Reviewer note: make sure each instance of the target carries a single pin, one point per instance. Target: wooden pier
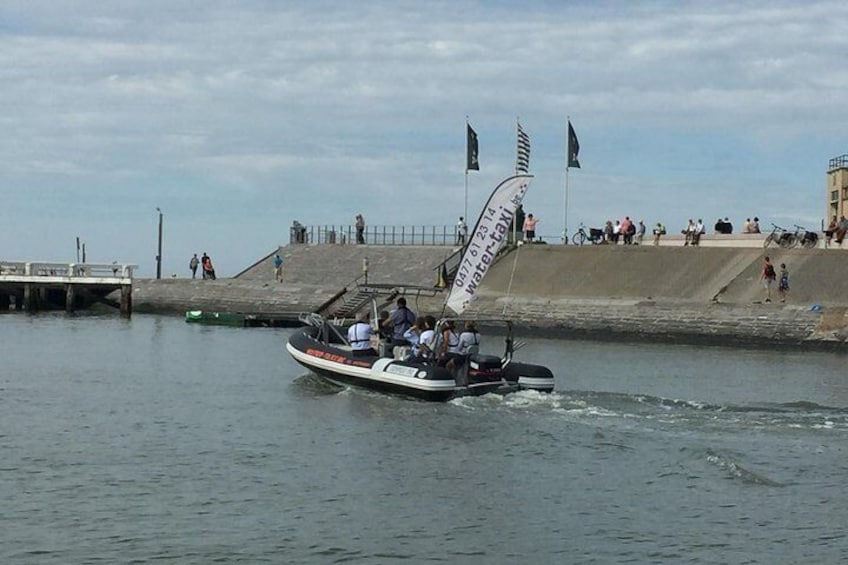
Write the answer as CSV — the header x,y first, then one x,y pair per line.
x,y
34,286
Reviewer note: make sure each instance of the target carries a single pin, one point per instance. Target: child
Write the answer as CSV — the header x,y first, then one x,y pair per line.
x,y
783,285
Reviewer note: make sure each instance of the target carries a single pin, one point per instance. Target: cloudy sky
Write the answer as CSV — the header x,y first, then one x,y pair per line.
x,y
237,117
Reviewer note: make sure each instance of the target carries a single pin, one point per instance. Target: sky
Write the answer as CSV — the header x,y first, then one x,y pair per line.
x,y
235,118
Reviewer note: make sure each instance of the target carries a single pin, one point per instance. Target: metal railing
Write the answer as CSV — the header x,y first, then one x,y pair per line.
x,y
48,269
374,235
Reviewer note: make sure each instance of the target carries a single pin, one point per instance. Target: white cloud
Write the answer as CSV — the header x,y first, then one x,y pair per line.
x,y
254,105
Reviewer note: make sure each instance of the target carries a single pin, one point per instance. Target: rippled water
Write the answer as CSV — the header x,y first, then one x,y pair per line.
x,y
156,441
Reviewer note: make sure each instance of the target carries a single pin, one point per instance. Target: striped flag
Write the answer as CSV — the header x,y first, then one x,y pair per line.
x,y
522,160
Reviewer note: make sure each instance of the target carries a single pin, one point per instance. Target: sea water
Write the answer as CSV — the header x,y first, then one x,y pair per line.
x,y
155,441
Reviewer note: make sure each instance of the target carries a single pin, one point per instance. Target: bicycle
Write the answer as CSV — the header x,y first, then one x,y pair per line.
x,y
595,236
805,237
780,236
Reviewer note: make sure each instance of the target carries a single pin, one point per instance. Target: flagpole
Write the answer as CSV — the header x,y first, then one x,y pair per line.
x,y
565,199
465,215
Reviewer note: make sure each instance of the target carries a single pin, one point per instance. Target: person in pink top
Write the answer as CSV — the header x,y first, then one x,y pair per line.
x,y
626,229
530,227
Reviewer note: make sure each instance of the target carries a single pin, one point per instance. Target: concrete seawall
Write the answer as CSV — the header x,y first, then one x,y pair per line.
x,y
708,294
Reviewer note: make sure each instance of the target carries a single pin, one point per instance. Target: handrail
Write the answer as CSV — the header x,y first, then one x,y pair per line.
x,y
330,234
66,270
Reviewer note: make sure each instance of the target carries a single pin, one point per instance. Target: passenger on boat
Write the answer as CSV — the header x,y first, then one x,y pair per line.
x,y
412,336
400,320
449,352
469,339
359,335
427,339
384,332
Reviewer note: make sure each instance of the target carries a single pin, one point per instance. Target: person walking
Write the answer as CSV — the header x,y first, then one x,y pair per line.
x,y
278,267
768,276
783,285
192,264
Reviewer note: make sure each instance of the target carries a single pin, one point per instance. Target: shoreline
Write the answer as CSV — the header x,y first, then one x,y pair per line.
x,y
674,295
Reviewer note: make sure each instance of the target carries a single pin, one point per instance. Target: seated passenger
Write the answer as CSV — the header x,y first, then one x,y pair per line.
x,y
449,353
427,339
359,337
413,336
469,339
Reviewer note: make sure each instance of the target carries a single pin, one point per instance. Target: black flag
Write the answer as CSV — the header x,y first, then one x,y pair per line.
x,y
573,148
471,163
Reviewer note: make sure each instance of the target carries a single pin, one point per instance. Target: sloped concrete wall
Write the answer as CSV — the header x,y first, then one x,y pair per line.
x,y
337,265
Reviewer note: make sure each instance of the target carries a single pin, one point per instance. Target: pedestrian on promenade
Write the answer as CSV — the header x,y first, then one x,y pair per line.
x,y
360,229
461,231
783,285
192,264
640,232
659,230
208,269
530,228
278,267
768,277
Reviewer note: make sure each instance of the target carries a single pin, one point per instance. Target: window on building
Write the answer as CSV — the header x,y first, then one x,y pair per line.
x,y
834,196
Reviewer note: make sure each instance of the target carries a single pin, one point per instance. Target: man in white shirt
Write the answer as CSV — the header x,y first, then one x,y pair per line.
x,y
461,231
359,335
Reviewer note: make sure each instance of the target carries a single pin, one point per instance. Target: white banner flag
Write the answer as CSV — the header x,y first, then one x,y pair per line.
x,y
489,235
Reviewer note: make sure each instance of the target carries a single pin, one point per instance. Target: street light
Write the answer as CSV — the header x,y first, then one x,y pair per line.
x,y
159,254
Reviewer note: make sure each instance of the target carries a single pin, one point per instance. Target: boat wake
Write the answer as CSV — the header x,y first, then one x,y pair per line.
x,y
592,405
736,471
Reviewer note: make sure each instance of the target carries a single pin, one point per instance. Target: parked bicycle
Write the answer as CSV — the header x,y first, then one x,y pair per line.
x,y
779,236
594,236
804,237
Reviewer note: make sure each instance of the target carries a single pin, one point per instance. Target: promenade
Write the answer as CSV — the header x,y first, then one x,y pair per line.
x,y
670,293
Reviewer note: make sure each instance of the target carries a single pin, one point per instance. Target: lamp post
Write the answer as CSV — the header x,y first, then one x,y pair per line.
x,y
159,253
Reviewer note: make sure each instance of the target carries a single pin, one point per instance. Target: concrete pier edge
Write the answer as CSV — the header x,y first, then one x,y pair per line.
x,y
708,296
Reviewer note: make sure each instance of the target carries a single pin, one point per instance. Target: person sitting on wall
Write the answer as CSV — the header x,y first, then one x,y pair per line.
x,y
723,226
831,229
754,226
841,228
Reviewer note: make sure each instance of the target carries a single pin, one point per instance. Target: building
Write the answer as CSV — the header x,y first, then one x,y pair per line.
x,y
837,188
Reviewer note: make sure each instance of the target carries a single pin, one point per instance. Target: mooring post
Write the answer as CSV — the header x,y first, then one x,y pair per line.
x,y
69,297
30,297
126,300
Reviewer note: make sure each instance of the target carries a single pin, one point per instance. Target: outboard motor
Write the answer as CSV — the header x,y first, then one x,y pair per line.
x,y
484,368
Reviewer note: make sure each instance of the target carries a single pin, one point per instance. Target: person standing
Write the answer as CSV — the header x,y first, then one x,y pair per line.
x,y
400,320
461,231
768,276
208,269
783,285
640,232
278,267
192,264
530,228
360,229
